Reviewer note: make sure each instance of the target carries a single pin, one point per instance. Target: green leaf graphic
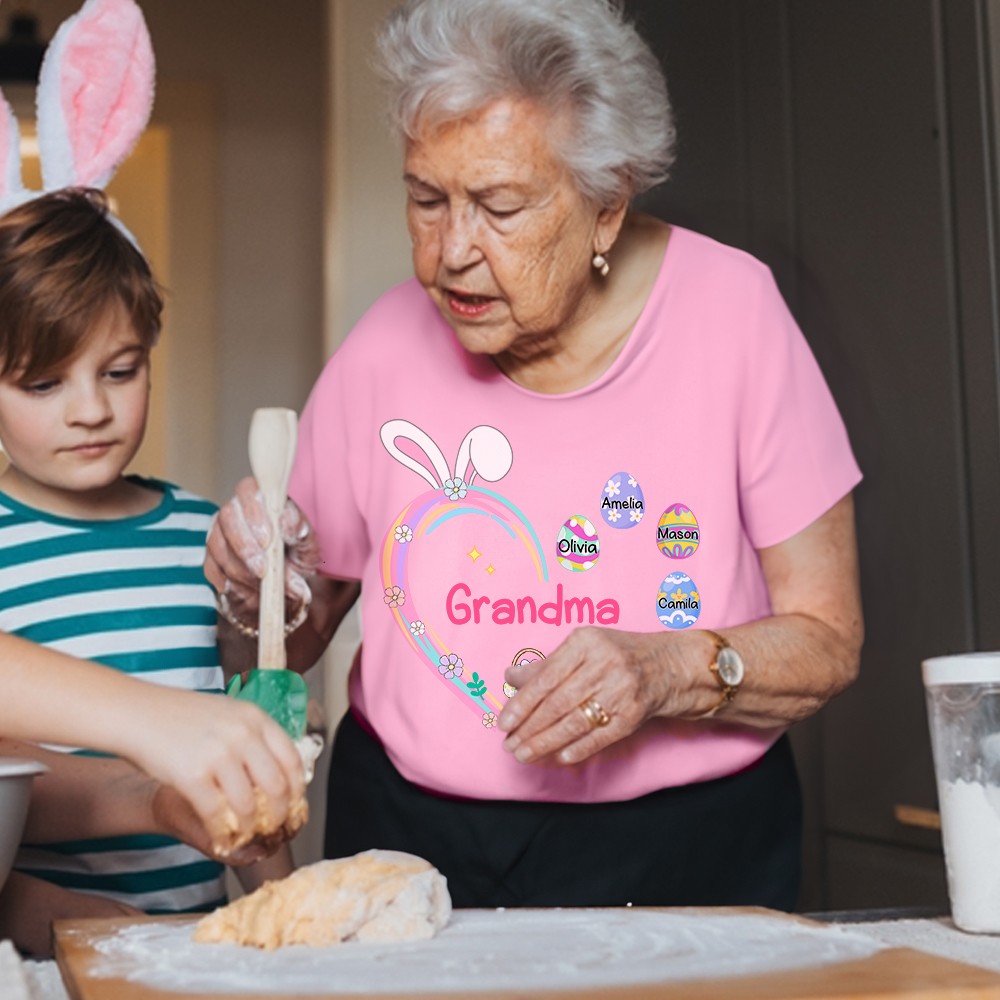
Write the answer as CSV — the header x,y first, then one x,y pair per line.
x,y
476,686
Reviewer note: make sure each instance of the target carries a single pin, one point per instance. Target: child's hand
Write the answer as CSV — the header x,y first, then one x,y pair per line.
x,y
174,815
234,563
216,752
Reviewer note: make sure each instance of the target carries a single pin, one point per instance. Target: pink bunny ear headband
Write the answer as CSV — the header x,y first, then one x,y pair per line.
x,y
95,94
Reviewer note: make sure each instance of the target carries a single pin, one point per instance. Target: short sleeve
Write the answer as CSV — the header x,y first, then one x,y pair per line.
x,y
323,479
795,459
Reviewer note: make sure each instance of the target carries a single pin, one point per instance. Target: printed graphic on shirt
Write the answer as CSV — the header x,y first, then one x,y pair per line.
x,y
677,533
485,454
622,503
521,659
577,546
678,603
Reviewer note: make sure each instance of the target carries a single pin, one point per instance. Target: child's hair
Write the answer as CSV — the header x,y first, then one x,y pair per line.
x,y
63,266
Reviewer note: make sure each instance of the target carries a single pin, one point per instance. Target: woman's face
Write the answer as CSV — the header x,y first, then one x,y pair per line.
x,y
502,237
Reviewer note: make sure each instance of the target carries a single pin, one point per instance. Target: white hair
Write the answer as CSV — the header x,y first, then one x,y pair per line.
x,y
445,59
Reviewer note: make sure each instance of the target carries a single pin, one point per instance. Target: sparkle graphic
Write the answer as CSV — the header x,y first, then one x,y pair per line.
x,y
491,569
473,553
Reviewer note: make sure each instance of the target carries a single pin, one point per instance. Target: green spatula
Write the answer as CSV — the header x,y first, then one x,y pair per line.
x,y
280,692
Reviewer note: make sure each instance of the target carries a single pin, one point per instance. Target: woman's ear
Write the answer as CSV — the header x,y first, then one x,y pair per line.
x,y
609,224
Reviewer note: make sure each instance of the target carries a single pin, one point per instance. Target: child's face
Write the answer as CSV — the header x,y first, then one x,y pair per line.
x,y
74,430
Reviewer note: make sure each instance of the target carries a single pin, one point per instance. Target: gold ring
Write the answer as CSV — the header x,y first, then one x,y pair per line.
x,y
595,713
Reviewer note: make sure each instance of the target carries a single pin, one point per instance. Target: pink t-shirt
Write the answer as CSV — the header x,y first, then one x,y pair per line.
x,y
486,521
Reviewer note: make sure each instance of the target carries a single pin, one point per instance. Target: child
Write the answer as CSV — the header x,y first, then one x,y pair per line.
x,y
94,563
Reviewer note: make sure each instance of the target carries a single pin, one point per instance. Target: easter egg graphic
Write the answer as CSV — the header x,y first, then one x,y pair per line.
x,y
677,533
678,603
622,502
577,545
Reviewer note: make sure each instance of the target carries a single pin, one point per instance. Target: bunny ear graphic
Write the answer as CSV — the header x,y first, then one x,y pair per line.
x,y
95,94
11,186
393,429
486,452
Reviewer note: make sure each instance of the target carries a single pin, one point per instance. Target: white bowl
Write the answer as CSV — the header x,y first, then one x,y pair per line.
x,y
16,776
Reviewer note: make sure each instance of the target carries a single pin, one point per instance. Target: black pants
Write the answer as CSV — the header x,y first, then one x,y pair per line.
x,y
731,841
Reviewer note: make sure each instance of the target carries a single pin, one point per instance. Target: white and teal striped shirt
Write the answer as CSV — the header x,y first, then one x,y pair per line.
x,y
129,593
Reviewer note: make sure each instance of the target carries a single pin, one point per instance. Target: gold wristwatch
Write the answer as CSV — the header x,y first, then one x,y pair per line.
x,y
727,665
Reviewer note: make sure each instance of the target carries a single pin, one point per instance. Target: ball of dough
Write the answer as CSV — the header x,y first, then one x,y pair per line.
x,y
373,896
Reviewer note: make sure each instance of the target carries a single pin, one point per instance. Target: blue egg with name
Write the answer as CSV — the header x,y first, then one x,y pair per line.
x,y
678,602
622,504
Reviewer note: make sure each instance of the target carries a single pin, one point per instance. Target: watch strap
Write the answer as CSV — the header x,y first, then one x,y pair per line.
x,y
728,691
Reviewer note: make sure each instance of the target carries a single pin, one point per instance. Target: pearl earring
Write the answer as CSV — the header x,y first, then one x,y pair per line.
x,y
600,264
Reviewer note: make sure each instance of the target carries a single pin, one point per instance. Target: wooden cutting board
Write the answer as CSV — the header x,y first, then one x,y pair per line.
x,y
890,974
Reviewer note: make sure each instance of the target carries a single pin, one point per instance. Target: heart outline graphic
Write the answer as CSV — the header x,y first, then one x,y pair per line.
x,y
484,452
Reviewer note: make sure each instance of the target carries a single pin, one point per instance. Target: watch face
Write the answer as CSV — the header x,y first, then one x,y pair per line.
x,y
730,666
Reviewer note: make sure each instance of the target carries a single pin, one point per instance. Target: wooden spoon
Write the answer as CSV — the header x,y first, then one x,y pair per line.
x,y
282,693
273,433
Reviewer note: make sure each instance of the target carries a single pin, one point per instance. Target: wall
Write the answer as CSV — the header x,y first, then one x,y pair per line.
x,y
367,246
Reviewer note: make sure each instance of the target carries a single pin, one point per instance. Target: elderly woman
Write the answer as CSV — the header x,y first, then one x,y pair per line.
x,y
591,485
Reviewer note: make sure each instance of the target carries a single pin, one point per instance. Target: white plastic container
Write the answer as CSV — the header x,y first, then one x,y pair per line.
x,y
963,709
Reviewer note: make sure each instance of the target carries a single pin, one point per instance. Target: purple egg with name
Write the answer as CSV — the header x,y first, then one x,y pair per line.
x,y
622,502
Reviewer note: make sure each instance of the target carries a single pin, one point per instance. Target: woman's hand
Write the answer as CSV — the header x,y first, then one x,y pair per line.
x,y
625,674
234,565
234,562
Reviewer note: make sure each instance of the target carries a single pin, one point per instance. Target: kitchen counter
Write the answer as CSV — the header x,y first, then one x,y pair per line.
x,y
935,935
921,928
